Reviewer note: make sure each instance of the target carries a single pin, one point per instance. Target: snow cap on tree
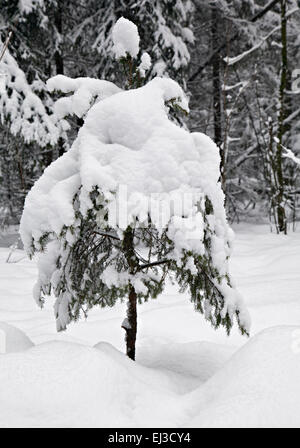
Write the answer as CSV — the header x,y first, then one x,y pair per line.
x,y
126,39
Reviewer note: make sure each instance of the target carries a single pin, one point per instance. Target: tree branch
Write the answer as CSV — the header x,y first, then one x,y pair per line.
x,y
109,235
218,50
154,263
5,45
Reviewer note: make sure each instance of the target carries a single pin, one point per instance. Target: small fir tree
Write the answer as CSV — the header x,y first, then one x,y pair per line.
x,y
134,200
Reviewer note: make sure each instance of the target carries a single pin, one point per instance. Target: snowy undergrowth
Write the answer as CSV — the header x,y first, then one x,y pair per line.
x,y
186,373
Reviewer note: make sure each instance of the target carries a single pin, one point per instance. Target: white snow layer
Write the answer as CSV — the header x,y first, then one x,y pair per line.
x,y
68,384
126,38
191,377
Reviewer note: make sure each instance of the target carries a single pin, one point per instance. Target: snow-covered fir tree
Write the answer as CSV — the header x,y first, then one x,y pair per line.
x,y
27,130
134,200
164,27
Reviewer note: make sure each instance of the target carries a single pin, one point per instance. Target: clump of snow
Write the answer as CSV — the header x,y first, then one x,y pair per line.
x,y
86,91
290,155
12,339
188,35
145,64
27,6
126,38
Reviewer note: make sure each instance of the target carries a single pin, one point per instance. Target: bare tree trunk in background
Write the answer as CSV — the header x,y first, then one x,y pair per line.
x,y
58,56
280,210
217,93
59,62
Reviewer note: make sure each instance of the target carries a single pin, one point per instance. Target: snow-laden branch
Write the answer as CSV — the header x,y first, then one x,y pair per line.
x,y
218,50
288,152
232,61
85,92
290,155
23,108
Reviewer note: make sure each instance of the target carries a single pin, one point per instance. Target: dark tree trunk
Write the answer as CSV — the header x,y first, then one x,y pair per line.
x,y
131,324
216,78
59,61
281,216
217,94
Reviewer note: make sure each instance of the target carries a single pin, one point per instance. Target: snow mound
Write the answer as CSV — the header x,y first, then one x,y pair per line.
x,y
59,384
258,387
12,339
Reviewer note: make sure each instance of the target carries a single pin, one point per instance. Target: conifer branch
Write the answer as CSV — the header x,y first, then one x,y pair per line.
x,y
154,263
5,45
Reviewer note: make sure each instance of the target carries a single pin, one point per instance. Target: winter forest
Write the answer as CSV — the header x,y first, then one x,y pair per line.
x,y
149,213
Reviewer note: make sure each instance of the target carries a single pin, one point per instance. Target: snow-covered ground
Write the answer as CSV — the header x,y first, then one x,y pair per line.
x,y
186,373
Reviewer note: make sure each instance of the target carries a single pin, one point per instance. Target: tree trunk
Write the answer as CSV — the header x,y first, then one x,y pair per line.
x,y
130,324
217,94
281,216
59,61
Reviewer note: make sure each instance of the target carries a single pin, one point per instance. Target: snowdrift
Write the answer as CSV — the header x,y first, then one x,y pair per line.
x,y
59,384
12,339
258,387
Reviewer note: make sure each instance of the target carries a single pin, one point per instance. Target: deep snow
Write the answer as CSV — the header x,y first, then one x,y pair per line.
x,y
186,373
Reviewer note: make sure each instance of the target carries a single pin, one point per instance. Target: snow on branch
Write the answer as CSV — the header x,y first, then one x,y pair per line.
x,y
234,60
21,105
86,92
288,152
290,155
